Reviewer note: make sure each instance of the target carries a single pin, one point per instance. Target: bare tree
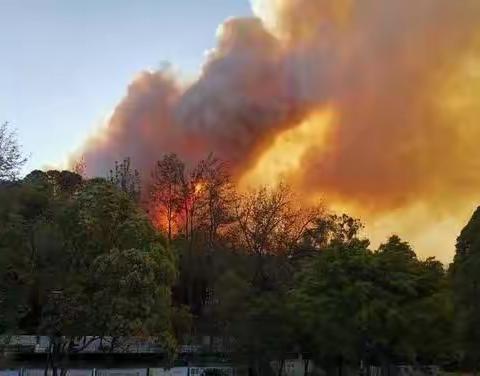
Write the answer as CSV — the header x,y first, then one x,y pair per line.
x,y
126,178
167,192
11,157
271,222
216,196
192,201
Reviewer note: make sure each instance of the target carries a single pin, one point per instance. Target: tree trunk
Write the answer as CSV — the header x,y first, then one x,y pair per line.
x,y
113,342
282,364
186,220
305,369
56,349
49,354
258,368
169,225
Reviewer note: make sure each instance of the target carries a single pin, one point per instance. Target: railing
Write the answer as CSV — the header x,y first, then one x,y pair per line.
x,y
40,344
176,371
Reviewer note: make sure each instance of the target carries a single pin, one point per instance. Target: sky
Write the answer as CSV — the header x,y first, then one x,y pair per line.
x,y
65,64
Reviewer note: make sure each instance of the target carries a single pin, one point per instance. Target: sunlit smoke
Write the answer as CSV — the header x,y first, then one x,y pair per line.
x,y
284,157
373,105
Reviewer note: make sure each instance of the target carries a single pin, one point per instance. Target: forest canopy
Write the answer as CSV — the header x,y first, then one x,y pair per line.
x,y
187,254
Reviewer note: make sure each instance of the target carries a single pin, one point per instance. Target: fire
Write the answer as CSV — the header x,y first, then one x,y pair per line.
x,y
160,220
198,187
284,157
400,138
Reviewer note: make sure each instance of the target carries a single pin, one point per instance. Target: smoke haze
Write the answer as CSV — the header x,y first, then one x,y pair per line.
x,y
372,105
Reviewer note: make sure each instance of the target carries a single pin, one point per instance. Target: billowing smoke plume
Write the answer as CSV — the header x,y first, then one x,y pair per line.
x,y
401,79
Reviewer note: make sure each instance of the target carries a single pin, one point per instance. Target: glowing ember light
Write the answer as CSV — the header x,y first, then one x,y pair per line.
x,y
159,218
198,187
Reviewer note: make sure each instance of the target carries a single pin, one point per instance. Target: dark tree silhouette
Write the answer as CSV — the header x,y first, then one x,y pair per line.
x,y
11,157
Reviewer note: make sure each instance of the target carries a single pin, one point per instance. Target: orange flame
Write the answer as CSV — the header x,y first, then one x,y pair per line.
x,y
198,187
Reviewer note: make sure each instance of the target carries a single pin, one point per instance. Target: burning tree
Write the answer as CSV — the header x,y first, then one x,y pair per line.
x,y
216,195
191,207
167,192
185,203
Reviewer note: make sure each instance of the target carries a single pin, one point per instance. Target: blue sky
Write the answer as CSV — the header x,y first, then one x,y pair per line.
x,y
64,64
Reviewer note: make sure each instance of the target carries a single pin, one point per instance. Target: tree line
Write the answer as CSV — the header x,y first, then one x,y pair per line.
x,y
184,254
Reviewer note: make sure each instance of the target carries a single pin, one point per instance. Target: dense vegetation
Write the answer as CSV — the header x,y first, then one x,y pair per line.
x,y
185,254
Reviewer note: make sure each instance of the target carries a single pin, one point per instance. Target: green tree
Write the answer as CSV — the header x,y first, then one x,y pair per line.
x,y
131,295
330,229
32,241
354,305
101,218
465,272
258,321
329,298
418,297
77,253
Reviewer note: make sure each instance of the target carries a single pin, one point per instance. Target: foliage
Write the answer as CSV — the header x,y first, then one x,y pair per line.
x,y
259,269
11,158
130,296
465,272
332,229
353,304
76,254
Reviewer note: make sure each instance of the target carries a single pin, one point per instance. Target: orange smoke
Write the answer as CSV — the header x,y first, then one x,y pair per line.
x,y
284,157
373,105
